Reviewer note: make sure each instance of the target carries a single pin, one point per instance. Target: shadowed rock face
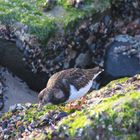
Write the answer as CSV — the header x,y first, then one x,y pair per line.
x,y
11,58
126,9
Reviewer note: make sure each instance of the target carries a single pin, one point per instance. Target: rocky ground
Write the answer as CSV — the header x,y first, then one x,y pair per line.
x,y
109,37
110,113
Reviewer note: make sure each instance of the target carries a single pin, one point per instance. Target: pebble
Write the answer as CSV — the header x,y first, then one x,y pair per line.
x,y
118,87
21,129
61,115
4,125
6,137
19,107
13,108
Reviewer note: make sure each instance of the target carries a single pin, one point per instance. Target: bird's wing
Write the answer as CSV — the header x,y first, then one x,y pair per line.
x,y
78,78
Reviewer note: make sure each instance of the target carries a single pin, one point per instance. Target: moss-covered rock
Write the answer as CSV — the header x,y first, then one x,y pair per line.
x,y
44,24
110,113
46,37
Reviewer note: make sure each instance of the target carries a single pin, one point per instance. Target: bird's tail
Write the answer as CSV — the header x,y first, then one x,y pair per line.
x,y
101,80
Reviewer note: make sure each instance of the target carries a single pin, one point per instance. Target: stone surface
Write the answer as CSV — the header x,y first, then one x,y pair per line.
x,y
123,57
126,9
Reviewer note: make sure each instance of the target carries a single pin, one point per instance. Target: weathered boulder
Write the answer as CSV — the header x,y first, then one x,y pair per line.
x,y
123,56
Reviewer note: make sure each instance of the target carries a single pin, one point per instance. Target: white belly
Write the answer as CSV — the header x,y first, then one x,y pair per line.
x,y
76,94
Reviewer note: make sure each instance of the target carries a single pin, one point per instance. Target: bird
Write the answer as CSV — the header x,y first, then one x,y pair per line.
x,y
69,85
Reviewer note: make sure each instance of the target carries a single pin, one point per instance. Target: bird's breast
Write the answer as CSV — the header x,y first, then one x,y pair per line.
x,y
76,94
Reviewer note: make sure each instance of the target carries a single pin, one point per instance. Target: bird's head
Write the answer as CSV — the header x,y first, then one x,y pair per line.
x,y
51,96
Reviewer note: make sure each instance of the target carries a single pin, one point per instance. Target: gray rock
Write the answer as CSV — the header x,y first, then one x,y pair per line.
x,y
126,9
21,129
83,60
61,115
4,125
123,57
13,108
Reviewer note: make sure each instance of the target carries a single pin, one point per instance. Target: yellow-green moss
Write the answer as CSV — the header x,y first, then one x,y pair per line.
x,y
119,115
30,13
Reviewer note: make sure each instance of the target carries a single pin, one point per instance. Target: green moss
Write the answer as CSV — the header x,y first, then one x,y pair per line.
x,y
117,116
132,137
6,115
34,114
30,13
75,124
120,113
119,81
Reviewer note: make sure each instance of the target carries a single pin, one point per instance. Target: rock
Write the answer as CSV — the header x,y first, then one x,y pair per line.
x,y
83,60
4,125
123,57
2,89
48,5
28,105
126,9
76,3
21,129
13,108
94,120
61,115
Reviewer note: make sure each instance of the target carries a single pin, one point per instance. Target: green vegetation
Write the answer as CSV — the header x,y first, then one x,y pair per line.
x,y
41,24
117,116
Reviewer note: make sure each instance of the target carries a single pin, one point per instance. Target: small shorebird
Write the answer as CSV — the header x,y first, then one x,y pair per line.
x,y
69,85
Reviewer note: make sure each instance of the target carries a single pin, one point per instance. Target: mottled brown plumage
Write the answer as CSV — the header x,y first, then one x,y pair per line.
x,y
61,85
75,76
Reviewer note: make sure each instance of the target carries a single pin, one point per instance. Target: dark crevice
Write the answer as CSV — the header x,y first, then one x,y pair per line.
x,y
11,58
